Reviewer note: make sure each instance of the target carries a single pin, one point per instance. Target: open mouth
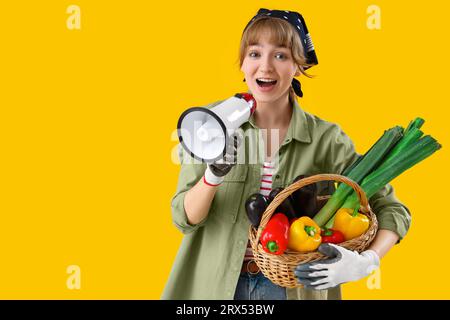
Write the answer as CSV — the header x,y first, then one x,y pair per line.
x,y
265,83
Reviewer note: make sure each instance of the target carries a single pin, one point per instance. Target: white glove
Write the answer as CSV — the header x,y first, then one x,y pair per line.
x,y
210,178
343,266
215,172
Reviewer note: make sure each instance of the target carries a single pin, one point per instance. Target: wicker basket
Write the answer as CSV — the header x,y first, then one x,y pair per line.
x,y
280,268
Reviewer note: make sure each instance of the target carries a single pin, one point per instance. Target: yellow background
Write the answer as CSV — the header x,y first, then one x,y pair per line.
x,y
87,121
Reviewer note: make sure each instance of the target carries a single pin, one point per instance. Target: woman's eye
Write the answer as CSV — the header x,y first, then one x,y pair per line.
x,y
281,56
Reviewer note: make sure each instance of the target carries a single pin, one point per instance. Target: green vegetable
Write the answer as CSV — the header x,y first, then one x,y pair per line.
x,y
375,181
410,136
409,151
416,123
354,164
367,163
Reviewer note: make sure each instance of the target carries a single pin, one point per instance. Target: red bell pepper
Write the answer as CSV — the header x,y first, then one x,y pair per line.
x,y
332,236
274,237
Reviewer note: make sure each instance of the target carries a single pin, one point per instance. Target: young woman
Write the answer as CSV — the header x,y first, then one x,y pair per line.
x,y
213,261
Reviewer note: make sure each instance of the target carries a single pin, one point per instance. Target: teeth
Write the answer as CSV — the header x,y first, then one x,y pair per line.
x,y
265,80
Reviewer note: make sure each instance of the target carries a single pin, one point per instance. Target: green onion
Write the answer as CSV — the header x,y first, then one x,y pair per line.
x,y
409,138
367,163
416,123
354,164
375,181
407,152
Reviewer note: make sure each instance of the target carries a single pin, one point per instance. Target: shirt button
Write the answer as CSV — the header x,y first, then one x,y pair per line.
x,y
277,176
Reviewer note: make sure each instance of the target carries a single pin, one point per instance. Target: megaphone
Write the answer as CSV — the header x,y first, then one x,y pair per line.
x,y
205,133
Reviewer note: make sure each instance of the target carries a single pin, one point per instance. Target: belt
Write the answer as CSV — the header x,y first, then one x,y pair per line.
x,y
250,267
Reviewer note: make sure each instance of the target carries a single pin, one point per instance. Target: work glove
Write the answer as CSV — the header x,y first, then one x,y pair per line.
x,y
342,266
216,171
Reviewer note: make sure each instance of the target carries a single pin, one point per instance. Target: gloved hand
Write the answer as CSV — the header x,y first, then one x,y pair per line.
x,y
343,266
216,171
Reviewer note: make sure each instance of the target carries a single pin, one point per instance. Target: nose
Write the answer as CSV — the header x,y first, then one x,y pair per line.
x,y
266,65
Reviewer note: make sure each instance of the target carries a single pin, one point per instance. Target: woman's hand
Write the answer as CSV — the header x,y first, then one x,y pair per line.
x,y
216,171
342,266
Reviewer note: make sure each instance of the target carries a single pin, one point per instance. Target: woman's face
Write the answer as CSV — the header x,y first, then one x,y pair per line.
x,y
268,70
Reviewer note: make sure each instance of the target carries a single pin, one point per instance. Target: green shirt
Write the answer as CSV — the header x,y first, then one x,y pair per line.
x,y
211,254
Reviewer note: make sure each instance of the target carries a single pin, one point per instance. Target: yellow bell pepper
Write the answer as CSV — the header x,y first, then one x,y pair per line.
x,y
304,235
351,223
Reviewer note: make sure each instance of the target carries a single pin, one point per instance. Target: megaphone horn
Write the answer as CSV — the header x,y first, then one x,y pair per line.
x,y
205,133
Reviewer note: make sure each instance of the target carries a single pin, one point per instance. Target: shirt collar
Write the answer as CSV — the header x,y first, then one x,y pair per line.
x,y
298,127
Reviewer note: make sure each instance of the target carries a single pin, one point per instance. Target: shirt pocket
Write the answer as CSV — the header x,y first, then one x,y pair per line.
x,y
229,196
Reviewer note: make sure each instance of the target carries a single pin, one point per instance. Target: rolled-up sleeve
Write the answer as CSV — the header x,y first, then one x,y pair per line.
x,y
190,174
391,213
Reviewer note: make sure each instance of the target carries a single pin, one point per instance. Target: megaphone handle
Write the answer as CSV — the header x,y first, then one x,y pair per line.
x,y
231,149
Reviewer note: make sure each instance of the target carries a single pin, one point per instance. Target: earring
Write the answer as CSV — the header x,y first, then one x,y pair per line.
x,y
243,80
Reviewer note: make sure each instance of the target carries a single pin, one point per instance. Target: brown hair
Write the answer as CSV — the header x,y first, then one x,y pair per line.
x,y
281,33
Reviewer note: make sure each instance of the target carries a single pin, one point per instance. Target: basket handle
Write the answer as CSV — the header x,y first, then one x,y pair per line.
x,y
365,208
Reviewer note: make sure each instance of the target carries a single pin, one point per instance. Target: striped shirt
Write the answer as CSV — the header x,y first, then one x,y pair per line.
x,y
268,170
266,178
